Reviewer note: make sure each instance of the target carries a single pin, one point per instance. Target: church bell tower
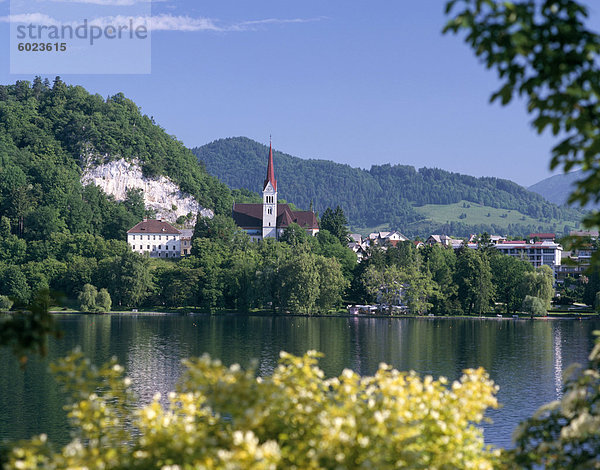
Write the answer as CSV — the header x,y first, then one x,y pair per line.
x,y
269,216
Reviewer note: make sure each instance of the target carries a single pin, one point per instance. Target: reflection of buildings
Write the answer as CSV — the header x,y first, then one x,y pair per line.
x,y
558,365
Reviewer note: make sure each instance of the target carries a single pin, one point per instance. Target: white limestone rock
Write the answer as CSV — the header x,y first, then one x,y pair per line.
x,y
161,194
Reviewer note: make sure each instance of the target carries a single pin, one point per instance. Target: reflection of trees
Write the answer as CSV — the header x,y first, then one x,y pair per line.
x,y
525,357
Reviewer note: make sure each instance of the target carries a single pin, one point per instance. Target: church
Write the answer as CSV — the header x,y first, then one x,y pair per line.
x,y
270,219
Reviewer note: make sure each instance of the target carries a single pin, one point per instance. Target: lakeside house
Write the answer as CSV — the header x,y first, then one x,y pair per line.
x,y
542,253
270,219
157,238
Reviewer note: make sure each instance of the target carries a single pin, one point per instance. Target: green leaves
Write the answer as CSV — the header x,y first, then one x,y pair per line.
x,y
543,50
226,417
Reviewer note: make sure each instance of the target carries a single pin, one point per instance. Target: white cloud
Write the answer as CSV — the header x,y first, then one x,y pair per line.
x,y
280,21
33,18
119,3
182,23
162,22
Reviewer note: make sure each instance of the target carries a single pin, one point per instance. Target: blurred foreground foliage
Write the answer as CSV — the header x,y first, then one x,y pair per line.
x,y
27,331
226,417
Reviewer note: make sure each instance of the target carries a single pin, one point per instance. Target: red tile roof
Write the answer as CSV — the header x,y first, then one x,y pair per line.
x,y
154,226
249,216
543,235
270,171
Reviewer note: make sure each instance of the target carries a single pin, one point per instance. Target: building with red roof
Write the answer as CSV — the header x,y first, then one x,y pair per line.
x,y
270,219
157,238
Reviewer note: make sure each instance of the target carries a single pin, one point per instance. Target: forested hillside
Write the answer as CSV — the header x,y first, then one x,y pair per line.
x,y
387,195
45,129
56,233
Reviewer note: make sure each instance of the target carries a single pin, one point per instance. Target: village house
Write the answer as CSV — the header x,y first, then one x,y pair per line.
x,y
156,238
355,238
444,240
270,219
494,239
186,241
386,238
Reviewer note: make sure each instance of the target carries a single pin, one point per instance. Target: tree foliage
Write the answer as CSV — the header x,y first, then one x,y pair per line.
x,y
540,284
335,222
87,298
544,53
473,278
27,331
533,305
47,135
225,417
103,301
508,278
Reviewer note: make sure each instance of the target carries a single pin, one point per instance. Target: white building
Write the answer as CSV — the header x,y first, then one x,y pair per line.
x,y
546,253
386,238
157,238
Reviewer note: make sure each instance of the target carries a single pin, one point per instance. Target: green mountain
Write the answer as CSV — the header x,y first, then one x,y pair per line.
x,y
417,202
557,188
46,130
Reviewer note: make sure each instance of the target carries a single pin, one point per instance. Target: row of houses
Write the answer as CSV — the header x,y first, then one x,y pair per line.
x,y
540,249
360,246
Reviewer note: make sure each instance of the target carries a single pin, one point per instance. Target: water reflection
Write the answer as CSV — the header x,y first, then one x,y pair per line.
x,y
526,358
154,365
558,365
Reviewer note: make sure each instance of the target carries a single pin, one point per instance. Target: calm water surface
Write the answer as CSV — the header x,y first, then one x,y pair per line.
x,y
525,358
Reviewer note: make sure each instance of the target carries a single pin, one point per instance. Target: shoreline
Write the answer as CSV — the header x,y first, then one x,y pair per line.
x,y
557,316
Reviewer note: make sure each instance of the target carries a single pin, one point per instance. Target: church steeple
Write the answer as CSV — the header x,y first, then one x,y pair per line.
x,y
270,170
269,228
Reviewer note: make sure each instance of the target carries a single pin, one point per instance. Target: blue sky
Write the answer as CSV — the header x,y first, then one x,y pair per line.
x,y
356,82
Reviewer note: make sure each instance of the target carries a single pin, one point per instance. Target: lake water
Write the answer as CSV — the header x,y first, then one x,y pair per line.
x,y
526,358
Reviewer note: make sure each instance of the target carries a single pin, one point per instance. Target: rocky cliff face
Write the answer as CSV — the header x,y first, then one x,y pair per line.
x,y
160,194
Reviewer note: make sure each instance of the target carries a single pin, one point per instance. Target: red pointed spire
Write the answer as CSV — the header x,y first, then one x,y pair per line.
x,y
270,170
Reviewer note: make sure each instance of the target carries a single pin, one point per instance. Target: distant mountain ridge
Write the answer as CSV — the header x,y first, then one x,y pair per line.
x,y
393,196
557,188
